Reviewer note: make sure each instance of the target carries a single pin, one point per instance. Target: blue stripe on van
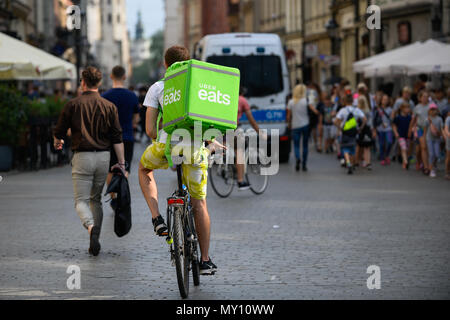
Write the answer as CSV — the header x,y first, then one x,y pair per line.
x,y
266,116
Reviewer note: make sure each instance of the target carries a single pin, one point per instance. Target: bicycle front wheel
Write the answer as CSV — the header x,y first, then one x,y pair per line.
x,y
221,177
181,256
258,182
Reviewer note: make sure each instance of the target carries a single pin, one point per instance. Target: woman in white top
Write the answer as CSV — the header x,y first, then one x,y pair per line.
x,y
298,123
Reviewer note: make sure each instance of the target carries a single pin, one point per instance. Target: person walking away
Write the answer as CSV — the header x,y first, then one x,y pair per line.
x,y
298,122
420,115
94,123
329,130
433,132
244,108
402,133
347,122
365,138
195,175
142,112
382,123
127,105
313,96
446,134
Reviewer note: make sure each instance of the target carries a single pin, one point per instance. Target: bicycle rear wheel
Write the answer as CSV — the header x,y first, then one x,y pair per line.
x,y
181,254
222,179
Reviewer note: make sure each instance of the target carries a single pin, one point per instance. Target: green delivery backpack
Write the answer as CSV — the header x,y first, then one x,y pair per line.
x,y
200,91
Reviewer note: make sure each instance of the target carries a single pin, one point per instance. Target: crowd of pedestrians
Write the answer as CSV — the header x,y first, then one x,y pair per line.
x,y
411,128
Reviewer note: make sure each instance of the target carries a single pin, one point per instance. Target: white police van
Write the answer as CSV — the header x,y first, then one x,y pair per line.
x,y
264,74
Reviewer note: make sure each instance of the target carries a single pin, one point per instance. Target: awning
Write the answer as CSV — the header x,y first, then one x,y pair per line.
x,y
21,61
421,57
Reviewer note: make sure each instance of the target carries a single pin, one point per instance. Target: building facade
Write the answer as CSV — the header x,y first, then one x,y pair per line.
x,y
108,35
173,30
140,49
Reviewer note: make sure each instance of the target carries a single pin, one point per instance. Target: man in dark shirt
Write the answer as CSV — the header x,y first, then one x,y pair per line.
x,y
127,105
95,127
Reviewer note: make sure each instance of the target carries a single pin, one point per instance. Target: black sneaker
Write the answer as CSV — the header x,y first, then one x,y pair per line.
x,y
304,169
207,268
297,165
160,227
350,170
243,186
95,247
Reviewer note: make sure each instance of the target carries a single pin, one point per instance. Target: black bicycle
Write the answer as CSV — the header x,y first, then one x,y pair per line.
x,y
182,237
223,176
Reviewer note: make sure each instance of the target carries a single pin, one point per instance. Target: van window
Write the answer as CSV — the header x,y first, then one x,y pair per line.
x,y
260,75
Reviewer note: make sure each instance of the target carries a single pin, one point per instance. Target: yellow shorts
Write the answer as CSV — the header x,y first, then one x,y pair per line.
x,y
195,174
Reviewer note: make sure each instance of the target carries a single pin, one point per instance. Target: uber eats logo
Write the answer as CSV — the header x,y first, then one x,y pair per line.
x,y
210,93
171,95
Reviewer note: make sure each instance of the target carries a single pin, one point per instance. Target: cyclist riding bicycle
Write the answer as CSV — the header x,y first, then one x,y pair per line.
x,y
244,108
195,174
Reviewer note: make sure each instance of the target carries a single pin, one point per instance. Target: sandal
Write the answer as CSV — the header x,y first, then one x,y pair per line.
x,y
160,227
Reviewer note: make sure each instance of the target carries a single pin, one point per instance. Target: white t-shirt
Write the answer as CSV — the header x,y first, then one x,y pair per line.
x,y
299,111
344,112
154,99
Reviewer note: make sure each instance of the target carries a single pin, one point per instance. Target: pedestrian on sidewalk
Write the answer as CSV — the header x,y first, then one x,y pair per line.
x,y
420,115
347,122
402,133
446,133
433,133
127,105
298,122
94,123
366,136
382,123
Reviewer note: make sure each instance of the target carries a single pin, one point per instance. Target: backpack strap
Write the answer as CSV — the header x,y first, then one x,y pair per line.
x,y
168,149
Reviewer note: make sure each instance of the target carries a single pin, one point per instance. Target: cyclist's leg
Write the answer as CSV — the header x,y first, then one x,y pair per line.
x,y
202,225
152,159
149,189
195,177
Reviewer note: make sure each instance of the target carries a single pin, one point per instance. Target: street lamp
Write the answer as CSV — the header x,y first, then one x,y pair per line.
x,y
332,28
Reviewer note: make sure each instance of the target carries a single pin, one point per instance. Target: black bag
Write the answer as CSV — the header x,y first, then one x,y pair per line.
x,y
122,217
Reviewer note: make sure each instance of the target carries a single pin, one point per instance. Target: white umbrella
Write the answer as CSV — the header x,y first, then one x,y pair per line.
x,y
21,61
412,59
382,58
435,61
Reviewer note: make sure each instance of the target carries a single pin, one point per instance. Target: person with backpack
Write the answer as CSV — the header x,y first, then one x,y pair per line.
x,y
347,122
196,173
383,126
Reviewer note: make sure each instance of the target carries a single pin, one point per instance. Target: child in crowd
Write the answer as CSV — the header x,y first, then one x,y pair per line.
x,y
329,130
446,134
433,132
382,123
420,115
402,133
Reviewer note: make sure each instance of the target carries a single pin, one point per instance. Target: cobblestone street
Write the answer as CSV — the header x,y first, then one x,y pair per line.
x,y
332,227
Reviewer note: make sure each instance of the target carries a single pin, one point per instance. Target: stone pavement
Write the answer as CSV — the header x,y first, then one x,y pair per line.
x,y
332,227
